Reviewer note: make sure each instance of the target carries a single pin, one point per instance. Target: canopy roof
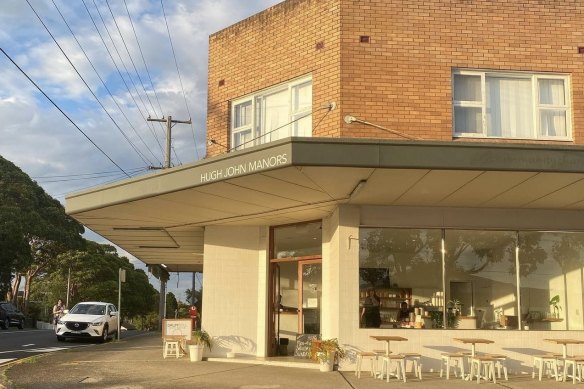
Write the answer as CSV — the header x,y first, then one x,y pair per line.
x,y
160,217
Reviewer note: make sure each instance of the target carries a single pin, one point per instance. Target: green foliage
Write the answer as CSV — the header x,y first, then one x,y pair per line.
x,y
171,304
328,348
555,303
27,213
94,277
202,337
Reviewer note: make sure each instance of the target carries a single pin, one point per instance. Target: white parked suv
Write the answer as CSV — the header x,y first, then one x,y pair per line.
x,y
88,320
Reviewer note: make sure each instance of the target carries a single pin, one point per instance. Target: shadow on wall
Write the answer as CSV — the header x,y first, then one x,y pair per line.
x,y
237,344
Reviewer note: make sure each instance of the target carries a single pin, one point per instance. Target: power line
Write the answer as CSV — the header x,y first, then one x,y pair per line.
x,y
179,77
87,174
64,114
143,60
103,82
130,56
87,85
120,73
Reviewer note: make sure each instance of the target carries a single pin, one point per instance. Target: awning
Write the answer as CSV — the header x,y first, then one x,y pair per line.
x,y
160,217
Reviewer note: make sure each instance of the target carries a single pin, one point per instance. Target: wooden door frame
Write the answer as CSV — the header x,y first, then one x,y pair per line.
x,y
310,259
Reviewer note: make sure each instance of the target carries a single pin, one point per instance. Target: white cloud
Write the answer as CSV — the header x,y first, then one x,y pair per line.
x,y
40,140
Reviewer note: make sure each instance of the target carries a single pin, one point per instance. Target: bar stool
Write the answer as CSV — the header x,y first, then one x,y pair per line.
x,y
446,361
399,366
416,363
500,364
547,363
170,348
372,356
482,363
577,364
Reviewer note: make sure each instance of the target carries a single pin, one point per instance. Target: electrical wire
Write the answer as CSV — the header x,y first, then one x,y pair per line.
x,y
180,78
120,74
104,84
64,114
131,59
86,174
143,157
143,60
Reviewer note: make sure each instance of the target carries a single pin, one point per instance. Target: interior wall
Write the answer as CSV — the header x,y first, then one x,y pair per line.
x,y
235,281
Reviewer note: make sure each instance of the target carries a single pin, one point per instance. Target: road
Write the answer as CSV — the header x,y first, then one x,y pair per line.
x,y
17,344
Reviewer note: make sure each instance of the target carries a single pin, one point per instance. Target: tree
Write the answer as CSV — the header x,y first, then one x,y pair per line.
x,y
28,216
94,277
171,304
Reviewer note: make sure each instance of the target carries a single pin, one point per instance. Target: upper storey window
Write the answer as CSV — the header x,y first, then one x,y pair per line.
x,y
511,105
275,113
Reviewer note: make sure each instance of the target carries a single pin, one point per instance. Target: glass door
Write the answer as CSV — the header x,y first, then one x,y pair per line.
x,y
311,293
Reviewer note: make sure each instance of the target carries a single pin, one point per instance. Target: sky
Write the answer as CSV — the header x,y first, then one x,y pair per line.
x,y
112,65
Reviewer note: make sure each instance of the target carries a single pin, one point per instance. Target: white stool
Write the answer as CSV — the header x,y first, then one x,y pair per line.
x,y
446,362
576,363
170,348
547,363
372,356
386,363
416,363
483,366
500,364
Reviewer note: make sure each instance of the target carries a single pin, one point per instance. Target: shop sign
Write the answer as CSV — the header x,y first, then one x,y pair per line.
x,y
247,167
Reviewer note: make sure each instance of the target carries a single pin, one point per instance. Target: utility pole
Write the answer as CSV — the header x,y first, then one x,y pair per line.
x,y
169,123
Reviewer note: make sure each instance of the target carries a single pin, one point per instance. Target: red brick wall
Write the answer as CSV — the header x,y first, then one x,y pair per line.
x,y
402,78
269,48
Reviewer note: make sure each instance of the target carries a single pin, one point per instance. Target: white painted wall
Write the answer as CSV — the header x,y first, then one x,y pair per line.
x,y
235,289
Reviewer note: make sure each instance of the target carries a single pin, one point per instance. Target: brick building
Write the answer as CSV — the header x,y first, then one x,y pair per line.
x,y
389,164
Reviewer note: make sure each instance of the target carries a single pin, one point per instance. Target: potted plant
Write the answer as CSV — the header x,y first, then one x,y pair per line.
x,y
199,339
327,352
555,304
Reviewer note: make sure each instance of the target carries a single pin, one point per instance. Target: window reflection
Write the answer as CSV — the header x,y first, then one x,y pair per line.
x,y
551,280
399,277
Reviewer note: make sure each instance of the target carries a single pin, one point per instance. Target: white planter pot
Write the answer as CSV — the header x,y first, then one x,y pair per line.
x,y
327,364
196,352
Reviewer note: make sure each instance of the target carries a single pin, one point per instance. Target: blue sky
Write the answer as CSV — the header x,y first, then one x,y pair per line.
x,y
40,140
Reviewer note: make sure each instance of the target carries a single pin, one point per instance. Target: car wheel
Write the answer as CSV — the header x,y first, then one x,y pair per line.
x,y
21,324
6,323
105,335
60,338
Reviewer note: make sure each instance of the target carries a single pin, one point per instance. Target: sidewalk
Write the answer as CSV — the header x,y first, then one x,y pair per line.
x,y
137,363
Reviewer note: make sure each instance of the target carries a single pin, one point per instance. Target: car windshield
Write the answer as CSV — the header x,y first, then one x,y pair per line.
x,y
88,309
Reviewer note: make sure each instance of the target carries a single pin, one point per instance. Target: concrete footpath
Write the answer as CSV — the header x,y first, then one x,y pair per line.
x,y
137,362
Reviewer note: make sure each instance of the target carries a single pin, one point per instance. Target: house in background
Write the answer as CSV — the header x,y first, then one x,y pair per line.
x,y
431,151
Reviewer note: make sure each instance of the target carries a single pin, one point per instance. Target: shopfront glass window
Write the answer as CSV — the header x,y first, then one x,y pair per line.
x,y
480,279
298,240
552,273
400,278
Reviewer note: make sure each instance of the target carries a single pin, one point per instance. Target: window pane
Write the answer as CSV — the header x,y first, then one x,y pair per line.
x,y
242,139
468,120
552,264
480,279
400,281
509,107
242,114
303,127
298,240
276,116
467,88
551,92
302,97
552,122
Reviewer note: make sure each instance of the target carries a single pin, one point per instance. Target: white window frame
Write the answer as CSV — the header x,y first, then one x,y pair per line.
x,y
258,106
537,107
